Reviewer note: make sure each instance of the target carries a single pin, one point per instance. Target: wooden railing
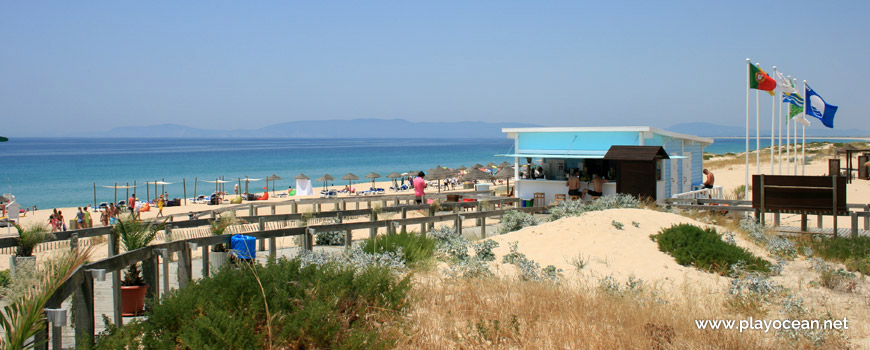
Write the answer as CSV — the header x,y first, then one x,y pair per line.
x,y
81,283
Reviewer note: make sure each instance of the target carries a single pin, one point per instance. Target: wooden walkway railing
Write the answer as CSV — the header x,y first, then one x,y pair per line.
x,y
745,206
267,228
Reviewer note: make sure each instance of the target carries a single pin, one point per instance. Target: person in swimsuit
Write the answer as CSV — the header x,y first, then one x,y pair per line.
x,y
597,184
708,183
574,184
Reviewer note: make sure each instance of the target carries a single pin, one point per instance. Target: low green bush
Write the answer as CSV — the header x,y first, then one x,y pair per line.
x,y
704,248
414,248
5,279
312,306
853,252
514,220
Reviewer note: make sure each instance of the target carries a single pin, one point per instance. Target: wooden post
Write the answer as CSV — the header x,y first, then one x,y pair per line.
x,y
116,283
854,216
776,219
165,259
184,267
761,191
205,261
458,224
348,238
95,195
184,183
151,274
293,207
343,205
819,221
116,194
483,227
866,217
309,239
273,211
195,182
251,210
804,222
319,207
84,310
261,243
835,213
357,205
74,242
336,206
273,247
404,216
373,232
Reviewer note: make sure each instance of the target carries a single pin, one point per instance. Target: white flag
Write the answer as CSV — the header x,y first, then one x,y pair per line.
x,y
801,118
784,85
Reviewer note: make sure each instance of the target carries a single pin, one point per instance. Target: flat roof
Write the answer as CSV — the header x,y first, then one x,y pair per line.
x,y
706,140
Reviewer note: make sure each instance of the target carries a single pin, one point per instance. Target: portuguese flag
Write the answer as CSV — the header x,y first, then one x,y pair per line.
x,y
758,79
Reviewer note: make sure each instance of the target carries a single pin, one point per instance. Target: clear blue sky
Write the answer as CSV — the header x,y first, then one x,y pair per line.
x,y
67,67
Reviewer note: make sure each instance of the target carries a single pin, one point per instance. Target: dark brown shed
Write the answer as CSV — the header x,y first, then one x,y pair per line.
x,y
636,168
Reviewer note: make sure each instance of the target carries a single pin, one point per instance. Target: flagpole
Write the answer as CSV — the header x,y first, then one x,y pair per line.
x,y
804,131
779,143
794,82
787,138
772,124
757,130
746,167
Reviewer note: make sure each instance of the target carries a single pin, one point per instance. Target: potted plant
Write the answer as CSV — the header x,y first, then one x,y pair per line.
x,y
218,256
133,234
28,238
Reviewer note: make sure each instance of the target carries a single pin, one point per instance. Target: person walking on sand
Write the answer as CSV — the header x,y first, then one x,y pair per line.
x,y
160,203
708,183
87,218
80,219
104,216
597,184
131,202
419,185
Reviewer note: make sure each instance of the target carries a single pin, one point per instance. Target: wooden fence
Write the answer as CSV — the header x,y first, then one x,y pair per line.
x,y
267,228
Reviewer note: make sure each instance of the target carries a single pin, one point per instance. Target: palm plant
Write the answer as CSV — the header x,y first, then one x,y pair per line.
x,y
219,226
29,237
134,234
22,318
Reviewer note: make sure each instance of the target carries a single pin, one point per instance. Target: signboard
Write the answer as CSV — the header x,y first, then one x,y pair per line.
x,y
803,194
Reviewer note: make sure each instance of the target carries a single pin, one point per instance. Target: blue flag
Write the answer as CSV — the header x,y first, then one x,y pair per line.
x,y
817,107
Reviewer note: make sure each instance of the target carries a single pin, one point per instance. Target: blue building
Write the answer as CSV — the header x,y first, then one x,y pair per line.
x,y
672,165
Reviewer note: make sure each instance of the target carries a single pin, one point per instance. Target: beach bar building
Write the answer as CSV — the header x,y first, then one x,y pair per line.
x,y
638,160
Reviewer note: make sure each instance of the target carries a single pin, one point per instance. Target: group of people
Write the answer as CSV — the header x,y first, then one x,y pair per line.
x,y
573,184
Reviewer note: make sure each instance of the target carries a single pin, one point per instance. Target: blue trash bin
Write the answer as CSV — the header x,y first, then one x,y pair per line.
x,y
244,247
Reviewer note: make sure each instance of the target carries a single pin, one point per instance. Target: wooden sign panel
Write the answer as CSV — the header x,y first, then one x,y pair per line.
x,y
809,194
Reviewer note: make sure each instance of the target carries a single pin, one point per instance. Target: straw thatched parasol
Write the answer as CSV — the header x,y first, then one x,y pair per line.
x,y
477,166
325,178
506,173
373,175
302,177
349,177
394,175
462,168
504,164
491,165
474,175
272,178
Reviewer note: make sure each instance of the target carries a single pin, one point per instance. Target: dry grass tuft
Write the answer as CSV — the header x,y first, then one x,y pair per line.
x,y
509,314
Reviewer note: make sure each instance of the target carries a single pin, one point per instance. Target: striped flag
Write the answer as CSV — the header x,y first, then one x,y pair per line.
x,y
796,104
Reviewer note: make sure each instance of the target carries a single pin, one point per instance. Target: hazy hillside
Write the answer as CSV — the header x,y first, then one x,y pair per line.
x,y
355,128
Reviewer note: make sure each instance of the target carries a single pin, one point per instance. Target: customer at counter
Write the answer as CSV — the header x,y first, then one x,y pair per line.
x,y
597,184
574,184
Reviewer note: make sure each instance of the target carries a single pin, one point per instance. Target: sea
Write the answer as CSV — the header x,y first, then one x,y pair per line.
x,y
62,172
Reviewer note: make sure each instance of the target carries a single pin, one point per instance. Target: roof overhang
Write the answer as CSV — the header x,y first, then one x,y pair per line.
x,y
512,132
573,155
642,153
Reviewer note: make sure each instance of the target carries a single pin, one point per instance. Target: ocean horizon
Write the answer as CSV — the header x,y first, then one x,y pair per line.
x,y
61,172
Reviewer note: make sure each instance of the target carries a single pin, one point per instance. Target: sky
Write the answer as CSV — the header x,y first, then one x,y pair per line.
x,y
69,68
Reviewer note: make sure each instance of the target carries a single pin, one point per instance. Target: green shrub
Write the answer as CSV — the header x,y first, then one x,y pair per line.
x,y
515,220
577,208
854,252
705,249
4,278
413,248
329,238
315,306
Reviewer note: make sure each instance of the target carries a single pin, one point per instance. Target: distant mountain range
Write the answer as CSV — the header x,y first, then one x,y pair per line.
x,y
400,128
354,128
714,130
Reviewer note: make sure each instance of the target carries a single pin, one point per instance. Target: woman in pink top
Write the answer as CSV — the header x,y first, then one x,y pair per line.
x,y
419,185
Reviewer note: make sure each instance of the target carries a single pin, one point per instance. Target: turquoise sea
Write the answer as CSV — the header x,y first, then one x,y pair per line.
x,y
62,172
